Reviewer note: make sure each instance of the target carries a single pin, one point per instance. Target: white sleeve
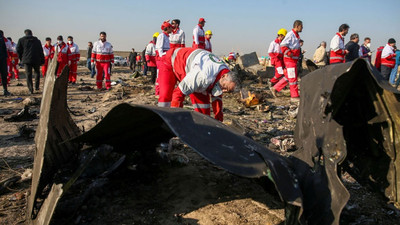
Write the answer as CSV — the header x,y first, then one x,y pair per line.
x,y
77,49
271,47
335,43
196,35
286,41
183,38
160,41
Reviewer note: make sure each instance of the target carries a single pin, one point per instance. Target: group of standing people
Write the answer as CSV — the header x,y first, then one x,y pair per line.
x,y
285,52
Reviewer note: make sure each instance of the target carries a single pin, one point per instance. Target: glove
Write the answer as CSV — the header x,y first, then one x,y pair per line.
x,y
92,64
369,53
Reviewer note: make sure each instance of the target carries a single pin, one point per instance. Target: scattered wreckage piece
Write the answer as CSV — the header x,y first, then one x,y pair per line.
x,y
349,116
23,115
55,126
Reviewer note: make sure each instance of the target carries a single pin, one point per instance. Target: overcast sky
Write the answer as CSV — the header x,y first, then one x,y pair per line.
x,y
238,25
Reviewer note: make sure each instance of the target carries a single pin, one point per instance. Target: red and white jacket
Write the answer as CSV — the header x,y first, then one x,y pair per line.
x,y
290,47
13,51
150,54
198,71
388,56
274,51
378,58
232,56
208,45
162,45
337,49
102,52
177,39
199,40
64,54
48,51
75,56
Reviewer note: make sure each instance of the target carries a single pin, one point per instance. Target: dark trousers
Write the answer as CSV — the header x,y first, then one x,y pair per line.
x,y
28,71
153,71
4,73
385,71
132,65
145,69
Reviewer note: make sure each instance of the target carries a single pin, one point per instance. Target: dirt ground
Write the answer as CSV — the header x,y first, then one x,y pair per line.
x,y
193,192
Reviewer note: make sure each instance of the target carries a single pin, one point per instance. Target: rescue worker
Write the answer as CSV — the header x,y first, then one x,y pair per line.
x,y
102,57
13,60
232,57
200,74
275,53
150,55
290,47
365,49
338,50
198,35
162,46
9,51
64,55
48,51
75,56
388,58
378,58
3,63
132,60
208,40
177,36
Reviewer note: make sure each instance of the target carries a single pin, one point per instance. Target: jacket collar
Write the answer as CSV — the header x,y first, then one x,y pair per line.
x,y
295,33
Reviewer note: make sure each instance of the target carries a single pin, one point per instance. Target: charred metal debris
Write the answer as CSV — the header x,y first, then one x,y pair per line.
x,y
348,119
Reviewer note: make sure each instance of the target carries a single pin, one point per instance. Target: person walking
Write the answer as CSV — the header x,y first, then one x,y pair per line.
x,y
177,36
290,47
199,35
48,52
3,64
150,56
320,56
388,58
352,48
338,50
14,60
132,60
276,56
102,58
30,52
63,55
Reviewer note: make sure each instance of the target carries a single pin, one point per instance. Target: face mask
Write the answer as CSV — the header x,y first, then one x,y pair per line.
x,y
369,45
59,42
69,42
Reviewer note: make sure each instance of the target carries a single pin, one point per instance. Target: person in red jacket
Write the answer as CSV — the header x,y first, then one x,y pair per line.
x,y
200,74
198,35
102,57
75,56
162,46
290,47
338,48
208,40
388,58
150,54
9,53
64,54
378,58
48,51
14,60
275,53
177,36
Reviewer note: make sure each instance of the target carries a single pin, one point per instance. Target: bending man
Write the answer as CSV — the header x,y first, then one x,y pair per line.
x,y
200,74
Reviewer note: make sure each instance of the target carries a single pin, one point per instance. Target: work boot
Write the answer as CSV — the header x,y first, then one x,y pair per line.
x,y
273,92
295,100
6,93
